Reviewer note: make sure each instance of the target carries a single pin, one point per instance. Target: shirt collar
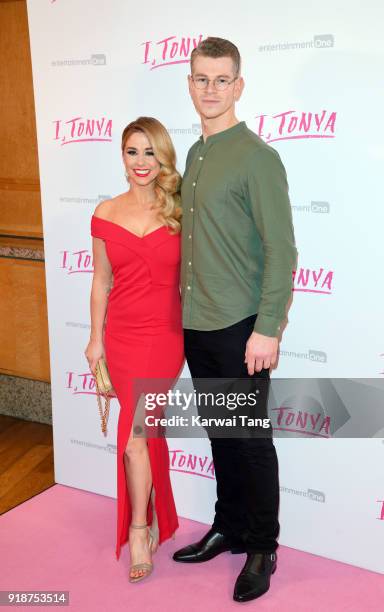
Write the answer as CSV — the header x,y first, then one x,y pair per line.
x,y
238,127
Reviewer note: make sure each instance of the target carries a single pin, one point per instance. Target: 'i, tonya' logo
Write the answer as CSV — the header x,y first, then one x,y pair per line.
x,y
187,463
169,51
287,418
76,261
292,125
313,281
83,130
81,383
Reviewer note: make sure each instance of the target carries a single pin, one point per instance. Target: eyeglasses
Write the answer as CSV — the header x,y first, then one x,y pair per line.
x,y
220,83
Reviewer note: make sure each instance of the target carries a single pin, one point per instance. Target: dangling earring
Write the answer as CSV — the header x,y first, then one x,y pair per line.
x,y
126,176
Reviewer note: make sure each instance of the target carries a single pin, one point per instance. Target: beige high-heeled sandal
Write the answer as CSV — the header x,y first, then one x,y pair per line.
x,y
146,567
154,528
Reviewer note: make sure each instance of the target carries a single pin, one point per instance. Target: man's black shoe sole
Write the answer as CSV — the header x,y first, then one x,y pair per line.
x,y
234,551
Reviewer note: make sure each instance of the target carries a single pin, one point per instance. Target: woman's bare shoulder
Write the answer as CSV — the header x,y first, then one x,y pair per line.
x,y
105,208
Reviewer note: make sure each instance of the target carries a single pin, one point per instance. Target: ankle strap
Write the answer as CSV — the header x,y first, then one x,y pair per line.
x,y
138,526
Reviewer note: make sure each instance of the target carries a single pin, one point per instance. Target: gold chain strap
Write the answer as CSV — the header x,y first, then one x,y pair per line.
x,y
104,414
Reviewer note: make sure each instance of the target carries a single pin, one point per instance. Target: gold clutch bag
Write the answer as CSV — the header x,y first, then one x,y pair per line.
x,y
103,389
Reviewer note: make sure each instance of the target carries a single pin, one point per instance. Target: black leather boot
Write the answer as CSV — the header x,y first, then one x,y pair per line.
x,y
211,545
253,580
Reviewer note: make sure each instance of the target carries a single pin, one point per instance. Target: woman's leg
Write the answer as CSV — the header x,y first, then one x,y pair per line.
x,y
139,484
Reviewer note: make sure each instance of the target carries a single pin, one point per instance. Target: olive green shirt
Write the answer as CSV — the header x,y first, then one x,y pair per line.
x,y
238,245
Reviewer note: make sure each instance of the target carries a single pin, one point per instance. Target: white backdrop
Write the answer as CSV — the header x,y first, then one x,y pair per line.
x,y
312,90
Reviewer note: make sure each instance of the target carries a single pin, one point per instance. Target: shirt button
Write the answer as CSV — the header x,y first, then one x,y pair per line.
x,y
188,288
200,158
191,209
194,184
189,263
189,237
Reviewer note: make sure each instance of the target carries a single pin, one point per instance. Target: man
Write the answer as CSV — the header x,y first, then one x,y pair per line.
x,y
238,253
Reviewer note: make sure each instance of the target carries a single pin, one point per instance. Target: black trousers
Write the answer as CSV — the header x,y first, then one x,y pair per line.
x,y
246,468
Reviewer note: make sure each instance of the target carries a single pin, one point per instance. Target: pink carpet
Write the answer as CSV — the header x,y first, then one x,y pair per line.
x,y
64,539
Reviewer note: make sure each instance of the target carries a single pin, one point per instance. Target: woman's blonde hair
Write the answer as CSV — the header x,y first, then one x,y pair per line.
x,y
168,181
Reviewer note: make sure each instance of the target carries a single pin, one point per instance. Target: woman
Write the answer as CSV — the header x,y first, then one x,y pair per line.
x,y
136,242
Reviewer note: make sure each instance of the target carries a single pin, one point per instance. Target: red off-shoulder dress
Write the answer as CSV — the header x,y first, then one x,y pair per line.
x,y
143,338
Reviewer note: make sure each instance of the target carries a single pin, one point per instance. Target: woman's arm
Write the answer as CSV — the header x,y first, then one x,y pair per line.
x,y
101,287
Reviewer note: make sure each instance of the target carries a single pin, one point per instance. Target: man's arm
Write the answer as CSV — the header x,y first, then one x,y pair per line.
x,y
271,212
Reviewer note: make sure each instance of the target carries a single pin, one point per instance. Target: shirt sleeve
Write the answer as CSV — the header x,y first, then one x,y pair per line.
x,y
271,210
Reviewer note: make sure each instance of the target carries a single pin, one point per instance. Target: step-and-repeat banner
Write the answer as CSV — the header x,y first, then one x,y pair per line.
x,y
313,91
